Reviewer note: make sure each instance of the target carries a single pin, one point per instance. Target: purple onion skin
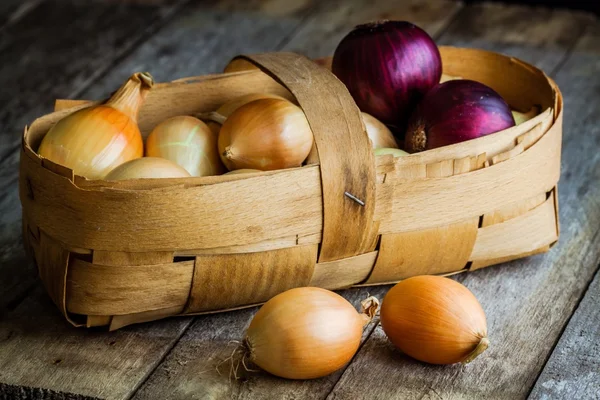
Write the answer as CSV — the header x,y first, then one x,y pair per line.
x,y
456,111
388,67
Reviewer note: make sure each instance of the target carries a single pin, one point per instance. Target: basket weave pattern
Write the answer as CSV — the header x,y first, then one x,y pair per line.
x,y
116,253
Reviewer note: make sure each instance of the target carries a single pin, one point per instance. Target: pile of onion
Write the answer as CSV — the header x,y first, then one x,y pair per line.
x,y
435,320
306,333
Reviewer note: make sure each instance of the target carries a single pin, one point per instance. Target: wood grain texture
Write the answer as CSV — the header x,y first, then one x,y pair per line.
x,y
573,370
47,358
332,20
527,302
104,290
224,281
55,50
190,369
534,34
12,11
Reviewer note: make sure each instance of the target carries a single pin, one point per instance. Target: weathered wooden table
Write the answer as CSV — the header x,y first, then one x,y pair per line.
x,y
543,312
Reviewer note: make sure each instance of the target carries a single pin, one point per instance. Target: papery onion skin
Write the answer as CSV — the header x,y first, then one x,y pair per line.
x,y
96,139
215,119
265,134
456,111
435,320
379,134
73,144
147,167
388,66
304,333
188,142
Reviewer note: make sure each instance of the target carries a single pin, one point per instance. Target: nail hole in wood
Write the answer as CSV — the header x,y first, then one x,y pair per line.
x,y
57,361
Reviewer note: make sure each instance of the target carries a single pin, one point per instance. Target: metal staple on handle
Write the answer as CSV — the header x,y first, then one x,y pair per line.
x,y
356,199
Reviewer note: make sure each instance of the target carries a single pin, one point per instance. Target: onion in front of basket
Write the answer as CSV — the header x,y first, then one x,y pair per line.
x,y
305,333
434,319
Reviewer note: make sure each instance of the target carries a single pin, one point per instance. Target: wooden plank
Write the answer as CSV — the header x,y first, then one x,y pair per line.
x,y
202,39
332,20
47,62
189,370
527,302
42,357
11,11
534,34
573,370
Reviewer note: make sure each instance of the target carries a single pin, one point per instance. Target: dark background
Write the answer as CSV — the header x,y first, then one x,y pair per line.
x,y
588,5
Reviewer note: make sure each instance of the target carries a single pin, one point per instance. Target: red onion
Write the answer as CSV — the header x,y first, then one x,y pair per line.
x,y
388,67
456,111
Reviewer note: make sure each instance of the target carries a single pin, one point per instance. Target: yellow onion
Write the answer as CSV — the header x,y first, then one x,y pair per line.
x,y
526,116
306,333
242,171
188,142
435,320
378,133
147,167
216,118
265,134
395,152
96,139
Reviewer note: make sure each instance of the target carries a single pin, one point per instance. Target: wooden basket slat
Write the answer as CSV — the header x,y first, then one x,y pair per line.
x,y
494,261
505,239
109,290
119,321
271,206
458,197
424,252
224,281
340,274
116,258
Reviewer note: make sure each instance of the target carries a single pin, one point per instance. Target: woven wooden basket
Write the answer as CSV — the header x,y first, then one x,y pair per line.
x,y
116,253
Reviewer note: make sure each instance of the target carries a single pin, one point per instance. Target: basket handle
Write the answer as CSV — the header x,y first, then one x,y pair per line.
x,y
343,147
